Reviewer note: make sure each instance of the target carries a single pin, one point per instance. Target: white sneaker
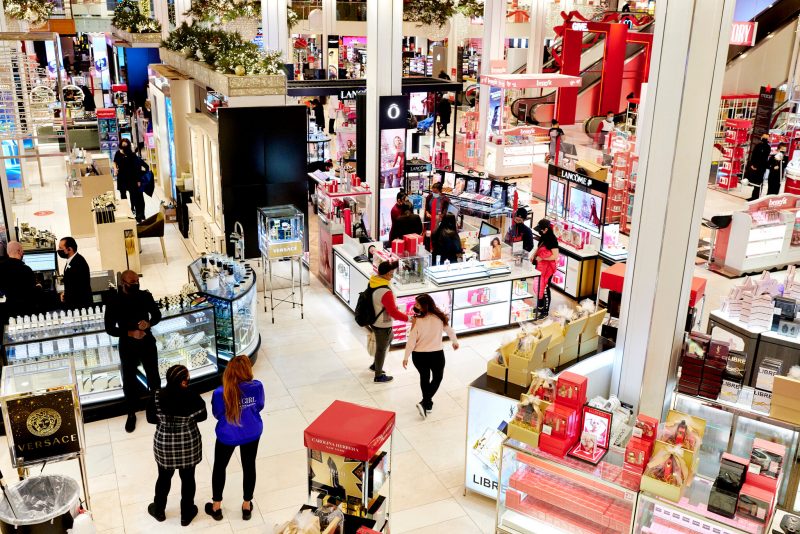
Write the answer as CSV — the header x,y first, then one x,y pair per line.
x,y
422,411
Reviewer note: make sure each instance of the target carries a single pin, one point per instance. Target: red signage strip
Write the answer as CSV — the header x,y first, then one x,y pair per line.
x,y
743,33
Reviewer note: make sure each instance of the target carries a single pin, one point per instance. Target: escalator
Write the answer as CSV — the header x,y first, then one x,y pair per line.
x,y
536,110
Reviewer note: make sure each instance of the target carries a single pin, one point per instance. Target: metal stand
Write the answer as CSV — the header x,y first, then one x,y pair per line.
x,y
294,294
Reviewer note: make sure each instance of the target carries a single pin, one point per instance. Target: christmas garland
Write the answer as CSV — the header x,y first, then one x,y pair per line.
x,y
429,12
222,11
223,51
128,17
470,8
33,11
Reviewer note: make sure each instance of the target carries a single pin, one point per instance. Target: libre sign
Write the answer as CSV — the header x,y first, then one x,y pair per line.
x,y
43,426
743,33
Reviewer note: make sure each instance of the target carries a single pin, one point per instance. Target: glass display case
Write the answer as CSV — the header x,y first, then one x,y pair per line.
x,y
406,303
523,300
544,493
280,231
477,308
233,295
732,428
690,515
185,337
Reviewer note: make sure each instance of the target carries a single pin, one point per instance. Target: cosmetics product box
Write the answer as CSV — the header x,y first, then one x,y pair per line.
x,y
787,388
732,471
689,389
761,401
561,421
783,413
755,502
767,370
557,446
730,390
785,523
571,389
646,428
637,454
696,345
766,462
398,247
717,353
737,363
668,472
411,241
723,501
682,429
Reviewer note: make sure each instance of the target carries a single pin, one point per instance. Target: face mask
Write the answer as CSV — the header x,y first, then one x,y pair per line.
x,y
436,195
417,311
132,288
62,254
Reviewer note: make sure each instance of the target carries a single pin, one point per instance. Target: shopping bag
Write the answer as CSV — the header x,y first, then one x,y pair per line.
x,y
371,342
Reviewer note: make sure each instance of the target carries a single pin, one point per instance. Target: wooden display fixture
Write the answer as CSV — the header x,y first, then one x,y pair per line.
x,y
79,208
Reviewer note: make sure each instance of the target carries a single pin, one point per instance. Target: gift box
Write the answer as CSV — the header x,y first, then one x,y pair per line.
x,y
784,406
555,445
398,247
755,502
637,454
646,428
767,371
683,430
669,471
766,463
411,242
737,363
762,401
561,421
495,370
717,353
571,389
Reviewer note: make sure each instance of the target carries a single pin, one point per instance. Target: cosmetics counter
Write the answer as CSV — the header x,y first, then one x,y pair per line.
x,y
766,235
185,335
476,295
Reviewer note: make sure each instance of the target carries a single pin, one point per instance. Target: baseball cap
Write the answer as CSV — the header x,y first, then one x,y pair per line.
x,y
387,266
543,224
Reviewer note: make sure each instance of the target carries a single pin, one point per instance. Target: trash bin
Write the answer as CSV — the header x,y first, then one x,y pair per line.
x,y
39,505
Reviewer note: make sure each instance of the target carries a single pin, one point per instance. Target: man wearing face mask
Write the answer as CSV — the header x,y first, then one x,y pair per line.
x,y
776,166
130,314
129,169
606,127
76,278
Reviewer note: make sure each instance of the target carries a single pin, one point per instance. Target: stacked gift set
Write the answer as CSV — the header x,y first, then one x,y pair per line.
x,y
763,302
711,369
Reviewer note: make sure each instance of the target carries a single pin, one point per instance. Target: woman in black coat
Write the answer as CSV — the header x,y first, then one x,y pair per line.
x,y
776,165
177,443
446,241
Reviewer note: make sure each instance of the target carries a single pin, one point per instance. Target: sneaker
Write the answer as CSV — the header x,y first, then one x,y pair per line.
x,y
372,367
383,379
429,409
421,410
130,424
157,515
186,519
247,513
217,515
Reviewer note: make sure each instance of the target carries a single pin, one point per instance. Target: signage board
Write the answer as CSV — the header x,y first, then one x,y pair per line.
x,y
763,115
43,426
743,33
285,250
393,112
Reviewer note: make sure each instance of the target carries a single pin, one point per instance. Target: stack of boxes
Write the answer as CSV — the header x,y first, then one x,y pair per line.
x,y
784,405
703,365
561,427
640,447
768,369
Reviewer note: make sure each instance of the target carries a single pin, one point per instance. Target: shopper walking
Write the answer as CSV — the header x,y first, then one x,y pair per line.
x,y
757,166
555,133
424,346
385,309
319,114
130,169
76,278
177,444
445,241
605,128
775,166
444,109
130,313
237,406
545,259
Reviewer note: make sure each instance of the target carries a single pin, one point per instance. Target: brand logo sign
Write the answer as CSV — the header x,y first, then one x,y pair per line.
x,y
580,26
285,250
743,33
43,427
393,112
351,94
778,202
574,177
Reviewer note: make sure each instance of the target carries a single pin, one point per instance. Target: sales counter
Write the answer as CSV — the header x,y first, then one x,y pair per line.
x,y
578,271
504,299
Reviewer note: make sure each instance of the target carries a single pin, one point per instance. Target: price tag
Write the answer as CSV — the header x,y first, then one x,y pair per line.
x,y
34,349
91,341
79,343
754,468
547,429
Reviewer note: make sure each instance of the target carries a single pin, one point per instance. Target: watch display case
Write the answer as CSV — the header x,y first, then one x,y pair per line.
x,y
185,337
234,304
732,428
544,493
93,351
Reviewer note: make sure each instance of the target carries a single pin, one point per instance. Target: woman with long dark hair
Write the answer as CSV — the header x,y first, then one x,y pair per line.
x,y
545,258
236,406
425,348
446,241
177,443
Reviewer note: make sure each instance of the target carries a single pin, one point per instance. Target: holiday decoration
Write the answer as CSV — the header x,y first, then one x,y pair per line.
x,y
222,11
292,18
32,11
470,8
128,17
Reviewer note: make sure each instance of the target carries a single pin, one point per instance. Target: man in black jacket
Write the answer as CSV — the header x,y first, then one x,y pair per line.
x,y
757,166
77,287
17,284
129,315
407,223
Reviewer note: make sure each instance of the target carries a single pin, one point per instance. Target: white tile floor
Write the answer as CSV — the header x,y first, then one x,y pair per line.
x,y
304,364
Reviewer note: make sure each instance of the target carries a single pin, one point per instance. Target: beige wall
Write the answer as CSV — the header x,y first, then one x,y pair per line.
x,y
765,64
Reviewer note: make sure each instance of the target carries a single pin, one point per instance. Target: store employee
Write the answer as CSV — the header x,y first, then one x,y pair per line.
x,y
129,315
520,232
77,287
17,284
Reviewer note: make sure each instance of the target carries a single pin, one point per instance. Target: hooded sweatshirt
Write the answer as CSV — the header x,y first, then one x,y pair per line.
x,y
250,424
383,300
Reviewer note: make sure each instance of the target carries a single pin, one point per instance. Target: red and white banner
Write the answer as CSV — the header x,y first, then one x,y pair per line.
x,y
530,81
743,33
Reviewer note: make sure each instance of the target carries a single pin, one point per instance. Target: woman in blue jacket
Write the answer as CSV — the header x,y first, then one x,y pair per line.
x,y
236,406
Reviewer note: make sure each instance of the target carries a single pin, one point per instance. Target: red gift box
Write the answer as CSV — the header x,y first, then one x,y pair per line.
x,y
411,243
637,454
555,445
562,421
646,429
755,502
398,247
571,389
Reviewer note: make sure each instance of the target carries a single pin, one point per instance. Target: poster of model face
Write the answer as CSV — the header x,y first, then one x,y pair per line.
x,y
487,412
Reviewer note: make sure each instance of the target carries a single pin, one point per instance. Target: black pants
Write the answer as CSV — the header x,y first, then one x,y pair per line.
x,y
131,353
756,190
137,202
543,305
222,455
188,488
431,371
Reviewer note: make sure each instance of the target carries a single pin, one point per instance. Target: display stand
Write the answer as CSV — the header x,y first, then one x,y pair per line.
x,y
741,337
350,463
118,244
108,130
42,416
737,140
80,192
280,238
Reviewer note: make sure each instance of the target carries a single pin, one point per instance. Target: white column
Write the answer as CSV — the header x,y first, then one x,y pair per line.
x,y
494,48
328,28
161,13
453,43
384,75
538,17
3,28
181,6
676,138
276,29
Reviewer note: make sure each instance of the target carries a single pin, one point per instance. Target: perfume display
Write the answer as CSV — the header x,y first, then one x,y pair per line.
x,y
280,231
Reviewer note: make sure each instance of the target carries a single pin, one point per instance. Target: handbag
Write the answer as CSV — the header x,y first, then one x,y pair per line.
x,y
147,182
371,342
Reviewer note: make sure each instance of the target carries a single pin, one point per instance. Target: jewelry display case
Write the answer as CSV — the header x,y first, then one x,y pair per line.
x,y
540,492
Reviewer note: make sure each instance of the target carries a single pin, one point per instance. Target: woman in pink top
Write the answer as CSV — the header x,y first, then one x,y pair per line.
x,y
424,345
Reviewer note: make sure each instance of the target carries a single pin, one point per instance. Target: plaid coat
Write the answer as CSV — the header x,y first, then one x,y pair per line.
x,y
177,443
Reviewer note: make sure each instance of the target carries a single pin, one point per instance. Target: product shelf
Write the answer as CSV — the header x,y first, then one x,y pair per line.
x,y
470,306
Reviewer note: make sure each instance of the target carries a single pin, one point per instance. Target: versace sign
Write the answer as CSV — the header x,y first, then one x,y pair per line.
x,y
43,426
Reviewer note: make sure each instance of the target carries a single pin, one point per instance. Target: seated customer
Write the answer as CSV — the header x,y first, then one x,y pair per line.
x,y
407,223
446,243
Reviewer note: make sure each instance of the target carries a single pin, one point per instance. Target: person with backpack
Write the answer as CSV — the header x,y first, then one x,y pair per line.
x,y
375,309
425,348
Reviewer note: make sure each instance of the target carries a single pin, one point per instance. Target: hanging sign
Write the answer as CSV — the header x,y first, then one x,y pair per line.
x,y
43,426
743,33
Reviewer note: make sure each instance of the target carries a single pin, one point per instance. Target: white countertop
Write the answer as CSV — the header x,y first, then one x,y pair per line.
x,y
719,314
517,273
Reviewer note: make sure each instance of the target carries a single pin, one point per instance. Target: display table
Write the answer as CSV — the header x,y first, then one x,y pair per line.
x,y
742,338
118,244
79,207
508,301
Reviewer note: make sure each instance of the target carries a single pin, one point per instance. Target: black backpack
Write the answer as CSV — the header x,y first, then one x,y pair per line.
x,y
365,311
